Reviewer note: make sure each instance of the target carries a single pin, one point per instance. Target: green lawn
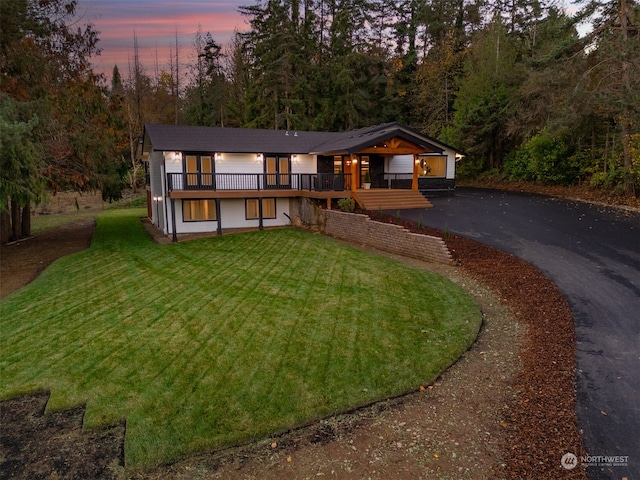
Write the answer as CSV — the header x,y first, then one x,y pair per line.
x,y
208,343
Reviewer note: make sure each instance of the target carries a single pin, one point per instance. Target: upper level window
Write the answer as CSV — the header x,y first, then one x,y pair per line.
x,y
199,170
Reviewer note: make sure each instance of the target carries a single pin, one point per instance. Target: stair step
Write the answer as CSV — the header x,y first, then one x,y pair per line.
x,y
385,199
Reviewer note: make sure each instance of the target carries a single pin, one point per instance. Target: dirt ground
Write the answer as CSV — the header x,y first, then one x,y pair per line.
x,y
506,409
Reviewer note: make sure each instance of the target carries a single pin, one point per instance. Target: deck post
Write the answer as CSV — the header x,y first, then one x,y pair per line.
x,y
416,167
219,230
174,237
355,179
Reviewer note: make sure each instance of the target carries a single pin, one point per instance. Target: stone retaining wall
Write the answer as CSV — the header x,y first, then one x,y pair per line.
x,y
390,238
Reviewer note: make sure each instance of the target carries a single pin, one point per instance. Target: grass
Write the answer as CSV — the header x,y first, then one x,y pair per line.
x,y
209,343
41,223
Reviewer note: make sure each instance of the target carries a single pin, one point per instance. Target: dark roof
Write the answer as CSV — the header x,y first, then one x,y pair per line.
x,y
349,142
248,140
232,140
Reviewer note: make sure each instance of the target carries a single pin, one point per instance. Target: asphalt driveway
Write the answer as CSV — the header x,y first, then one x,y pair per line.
x,y
592,253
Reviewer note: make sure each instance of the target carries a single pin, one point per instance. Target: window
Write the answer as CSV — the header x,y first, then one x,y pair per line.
x,y
433,167
199,170
198,210
252,208
337,164
278,171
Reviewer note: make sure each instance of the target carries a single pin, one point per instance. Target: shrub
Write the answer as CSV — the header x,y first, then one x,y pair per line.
x,y
543,158
347,205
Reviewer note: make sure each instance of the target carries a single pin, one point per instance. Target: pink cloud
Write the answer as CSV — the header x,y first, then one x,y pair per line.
x,y
155,24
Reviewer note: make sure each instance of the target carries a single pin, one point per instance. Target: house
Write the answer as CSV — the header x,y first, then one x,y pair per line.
x,y
206,179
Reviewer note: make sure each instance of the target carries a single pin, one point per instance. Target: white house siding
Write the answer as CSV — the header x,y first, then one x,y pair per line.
x,y
173,162
239,163
304,164
232,214
404,164
156,184
399,164
451,163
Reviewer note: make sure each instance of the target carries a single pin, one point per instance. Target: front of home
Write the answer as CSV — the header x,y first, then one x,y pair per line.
x,y
206,179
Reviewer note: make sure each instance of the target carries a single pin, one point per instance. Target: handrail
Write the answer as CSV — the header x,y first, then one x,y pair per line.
x,y
258,181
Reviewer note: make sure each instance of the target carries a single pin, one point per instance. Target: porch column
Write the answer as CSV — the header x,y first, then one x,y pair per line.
x,y
174,237
416,169
219,230
260,223
355,178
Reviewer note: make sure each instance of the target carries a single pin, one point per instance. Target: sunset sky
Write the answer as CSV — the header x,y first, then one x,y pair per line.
x,y
155,23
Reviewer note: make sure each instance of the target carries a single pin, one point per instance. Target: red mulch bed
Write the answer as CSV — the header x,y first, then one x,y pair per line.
x,y
543,420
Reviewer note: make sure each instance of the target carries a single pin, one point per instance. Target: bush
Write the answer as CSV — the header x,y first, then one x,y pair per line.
x,y
347,205
543,159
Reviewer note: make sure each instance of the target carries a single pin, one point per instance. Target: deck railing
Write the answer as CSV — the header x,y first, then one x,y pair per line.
x,y
398,180
259,181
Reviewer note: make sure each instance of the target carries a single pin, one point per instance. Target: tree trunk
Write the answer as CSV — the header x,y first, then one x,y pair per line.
x,y
15,220
5,225
26,221
626,112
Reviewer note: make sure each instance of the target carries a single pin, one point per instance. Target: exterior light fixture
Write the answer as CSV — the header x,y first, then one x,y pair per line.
x,y
259,157
218,156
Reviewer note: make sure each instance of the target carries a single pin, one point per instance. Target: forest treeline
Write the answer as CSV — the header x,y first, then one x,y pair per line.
x,y
511,83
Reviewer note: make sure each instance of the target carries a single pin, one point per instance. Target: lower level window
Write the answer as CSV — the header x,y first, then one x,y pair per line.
x,y
198,210
252,208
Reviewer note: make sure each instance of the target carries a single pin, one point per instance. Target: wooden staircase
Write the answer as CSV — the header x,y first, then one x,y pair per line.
x,y
387,199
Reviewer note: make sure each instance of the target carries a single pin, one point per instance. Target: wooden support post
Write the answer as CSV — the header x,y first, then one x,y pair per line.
x,y
416,168
355,178
329,203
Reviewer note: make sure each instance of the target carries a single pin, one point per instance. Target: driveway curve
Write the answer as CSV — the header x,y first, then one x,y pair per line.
x,y
592,253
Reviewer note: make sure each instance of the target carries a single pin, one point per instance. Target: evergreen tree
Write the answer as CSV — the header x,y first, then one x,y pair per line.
x,y
484,105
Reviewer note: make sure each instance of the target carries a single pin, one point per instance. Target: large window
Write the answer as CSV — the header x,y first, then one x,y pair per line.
x,y
199,170
433,166
198,210
278,170
252,208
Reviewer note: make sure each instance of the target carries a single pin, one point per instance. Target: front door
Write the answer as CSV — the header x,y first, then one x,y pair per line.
x,y
376,170
277,171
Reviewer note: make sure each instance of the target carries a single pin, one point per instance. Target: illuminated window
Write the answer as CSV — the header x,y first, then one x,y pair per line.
x,y
433,166
252,208
198,210
337,164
